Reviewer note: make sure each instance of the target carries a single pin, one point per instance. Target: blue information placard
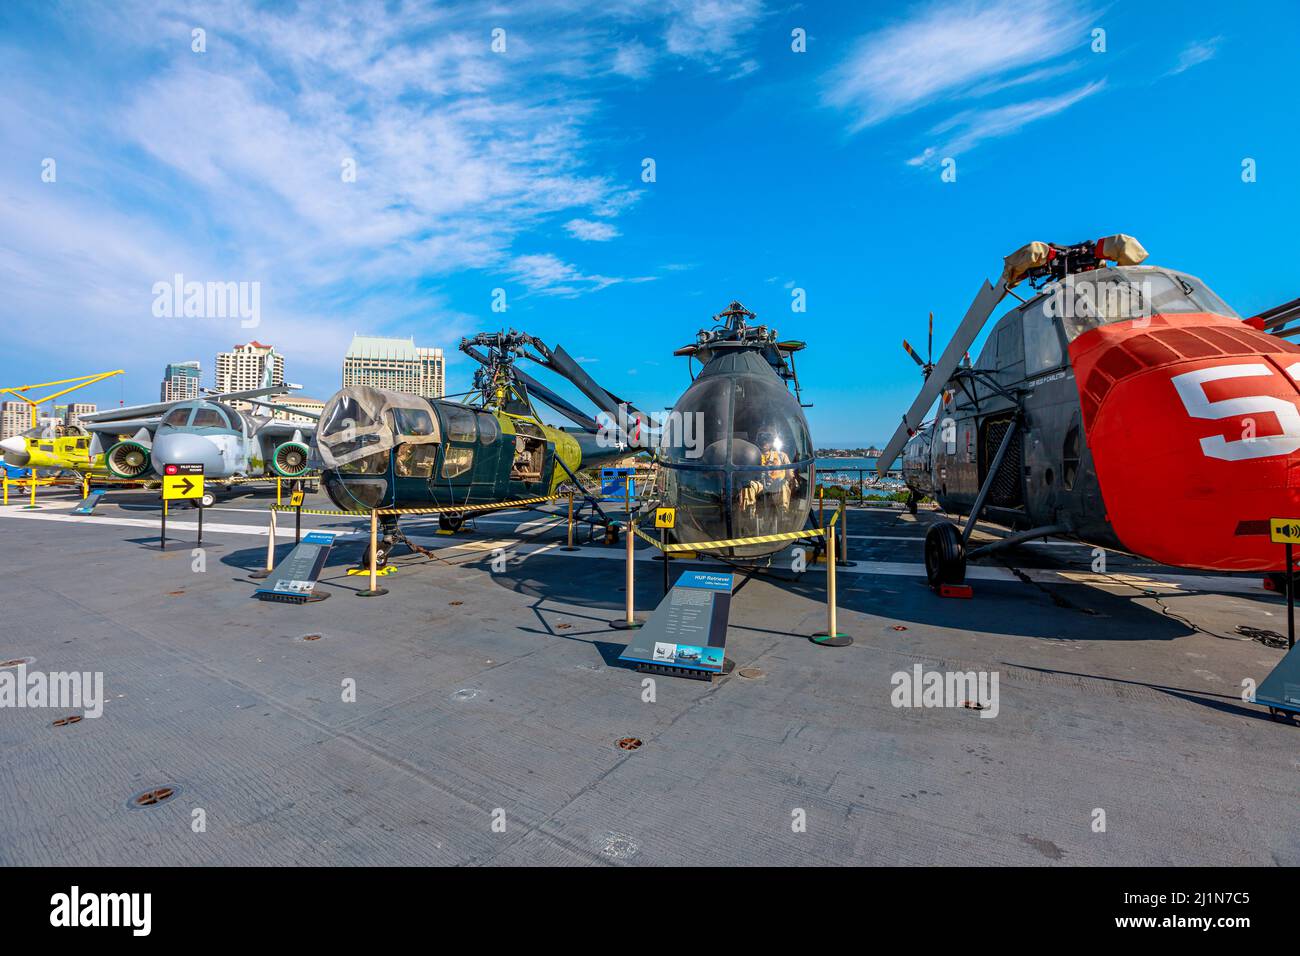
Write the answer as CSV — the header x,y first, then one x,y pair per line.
x,y
687,634
88,506
294,578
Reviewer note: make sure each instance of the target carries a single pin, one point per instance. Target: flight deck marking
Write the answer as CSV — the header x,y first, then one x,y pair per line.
x,y
1189,582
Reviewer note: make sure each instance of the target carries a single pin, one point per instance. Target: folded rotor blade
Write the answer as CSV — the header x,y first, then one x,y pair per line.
x,y
976,316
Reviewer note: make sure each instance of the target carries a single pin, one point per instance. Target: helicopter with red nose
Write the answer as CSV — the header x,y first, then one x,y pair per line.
x,y
1123,405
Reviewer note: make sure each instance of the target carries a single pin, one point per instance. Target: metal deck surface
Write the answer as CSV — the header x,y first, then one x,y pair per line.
x,y
480,692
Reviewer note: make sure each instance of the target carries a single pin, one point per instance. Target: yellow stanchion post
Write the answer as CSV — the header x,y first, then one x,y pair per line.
x,y
270,551
569,546
375,589
85,487
629,621
277,490
31,482
821,507
6,487
832,637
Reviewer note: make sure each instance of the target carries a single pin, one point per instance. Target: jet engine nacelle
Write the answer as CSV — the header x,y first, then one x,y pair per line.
x,y
290,459
128,459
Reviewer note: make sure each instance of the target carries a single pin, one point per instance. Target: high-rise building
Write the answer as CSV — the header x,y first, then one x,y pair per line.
x,y
15,418
394,364
244,367
180,382
290,407
72,415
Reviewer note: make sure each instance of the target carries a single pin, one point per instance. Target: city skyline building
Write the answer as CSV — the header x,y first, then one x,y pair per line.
x,y
181,381
394,364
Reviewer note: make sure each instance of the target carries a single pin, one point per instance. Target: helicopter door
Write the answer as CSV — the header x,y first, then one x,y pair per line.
x,y
1007,490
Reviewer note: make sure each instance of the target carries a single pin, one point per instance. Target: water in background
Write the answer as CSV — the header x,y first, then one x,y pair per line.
x,y
849,471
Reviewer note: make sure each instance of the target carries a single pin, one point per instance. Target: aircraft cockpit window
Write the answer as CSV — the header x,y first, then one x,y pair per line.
x,y
457,461
413,421
177,417
460,424
488,428
1043,349
1118,296
415,461
346,414
207,417
1207,300
368,465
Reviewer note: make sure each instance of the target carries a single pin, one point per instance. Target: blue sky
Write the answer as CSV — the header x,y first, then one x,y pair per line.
x,y
522,170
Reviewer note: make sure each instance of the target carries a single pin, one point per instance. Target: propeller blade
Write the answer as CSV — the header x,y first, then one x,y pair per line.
x,y
912,352
976,316
929,342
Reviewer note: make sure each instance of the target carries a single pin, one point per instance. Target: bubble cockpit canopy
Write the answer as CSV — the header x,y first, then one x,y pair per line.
x,y
738,457
360,421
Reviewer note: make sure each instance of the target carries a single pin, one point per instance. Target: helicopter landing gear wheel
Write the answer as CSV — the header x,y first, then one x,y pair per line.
x,y
207,501
384,548
1278,581
945,555
611,533
450,522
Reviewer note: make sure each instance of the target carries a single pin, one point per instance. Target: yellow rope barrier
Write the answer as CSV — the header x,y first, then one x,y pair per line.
x,y
448,509
736,542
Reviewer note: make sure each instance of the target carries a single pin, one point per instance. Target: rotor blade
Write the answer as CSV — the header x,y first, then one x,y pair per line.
x,y
929,340
570,411
912,352
607,402
971,324
1280,314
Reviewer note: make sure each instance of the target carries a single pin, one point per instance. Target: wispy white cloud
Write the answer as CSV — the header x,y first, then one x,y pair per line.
x,y
229,164
589,230
968,129
712,29
547,274
946,50
1195,54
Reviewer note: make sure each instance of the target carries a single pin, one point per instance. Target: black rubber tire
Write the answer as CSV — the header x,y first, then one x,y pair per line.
x,y
611,533
381,554
945,555
1278,579
450,523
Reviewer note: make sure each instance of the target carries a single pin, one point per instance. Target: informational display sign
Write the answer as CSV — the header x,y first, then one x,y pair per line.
x,y
88,506
1281,688
295,499
1284,530
182,481
294,578
688,630
614,483
666,518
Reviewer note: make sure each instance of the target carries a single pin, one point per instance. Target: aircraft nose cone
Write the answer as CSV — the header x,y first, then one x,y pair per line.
x,y
15,452
1195,453
176,448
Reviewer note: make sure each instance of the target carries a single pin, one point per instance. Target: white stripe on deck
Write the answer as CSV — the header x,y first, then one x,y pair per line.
x,y
437,543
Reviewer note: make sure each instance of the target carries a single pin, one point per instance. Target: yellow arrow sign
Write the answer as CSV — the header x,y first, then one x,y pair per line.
x,y
182,481
665,517
1284,530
